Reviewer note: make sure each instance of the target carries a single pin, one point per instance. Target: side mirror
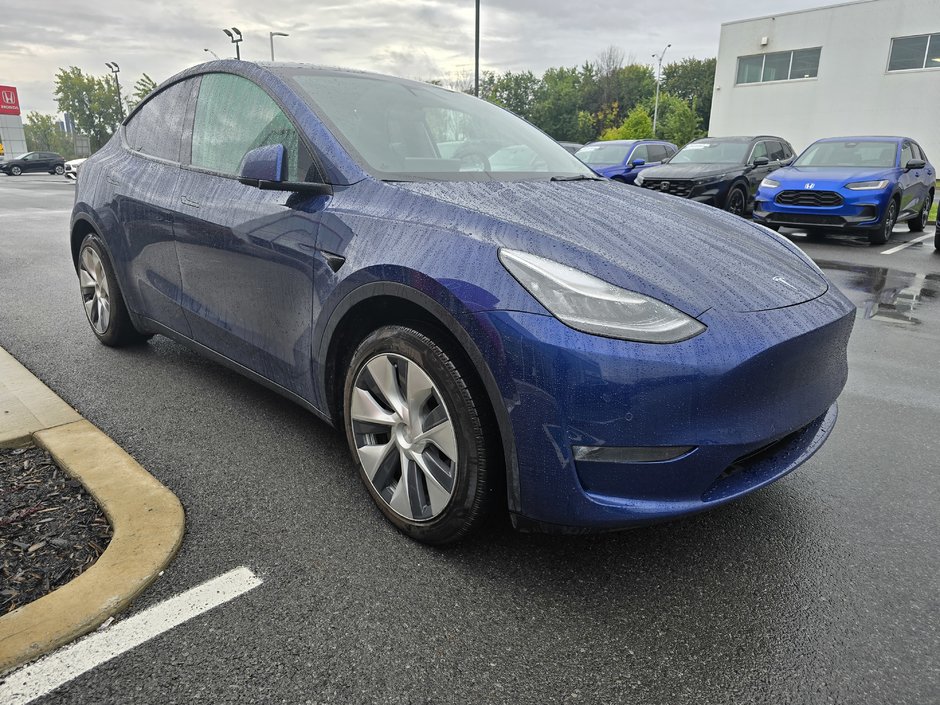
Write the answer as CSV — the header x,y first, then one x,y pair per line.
x,y
637,162
761,161
915,164
265,168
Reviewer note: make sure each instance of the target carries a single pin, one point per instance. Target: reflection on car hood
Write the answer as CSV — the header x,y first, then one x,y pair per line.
x,y
832,175
689,171
691,256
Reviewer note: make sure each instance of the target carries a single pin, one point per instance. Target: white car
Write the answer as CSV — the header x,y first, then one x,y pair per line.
x,y
71,168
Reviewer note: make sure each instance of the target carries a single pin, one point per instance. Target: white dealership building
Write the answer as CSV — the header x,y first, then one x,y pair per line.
x,y
870,67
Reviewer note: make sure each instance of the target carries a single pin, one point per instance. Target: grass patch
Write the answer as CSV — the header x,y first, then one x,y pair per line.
x,y
933,208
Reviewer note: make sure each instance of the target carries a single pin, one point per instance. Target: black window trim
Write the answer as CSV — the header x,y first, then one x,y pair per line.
x,y
763,56
925,67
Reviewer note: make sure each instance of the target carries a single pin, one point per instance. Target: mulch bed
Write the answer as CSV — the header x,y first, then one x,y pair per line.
x,y
50,527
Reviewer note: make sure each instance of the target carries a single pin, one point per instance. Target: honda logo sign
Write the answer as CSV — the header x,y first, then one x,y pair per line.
x,y
9,101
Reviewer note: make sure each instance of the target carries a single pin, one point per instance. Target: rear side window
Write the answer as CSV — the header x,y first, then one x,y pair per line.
x,y
234,116
157,127
777,152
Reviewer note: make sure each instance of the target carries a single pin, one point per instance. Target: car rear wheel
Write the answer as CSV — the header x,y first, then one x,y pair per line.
x,y
416,432
883,233
918,223
15,171
737,201
59,170
102,298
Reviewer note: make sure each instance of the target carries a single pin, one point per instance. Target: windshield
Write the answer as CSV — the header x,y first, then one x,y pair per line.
x,y
712,152
406,131
604,154
860,154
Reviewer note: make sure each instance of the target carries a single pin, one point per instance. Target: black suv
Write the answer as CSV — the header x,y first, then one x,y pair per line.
x,y
34,161
720,171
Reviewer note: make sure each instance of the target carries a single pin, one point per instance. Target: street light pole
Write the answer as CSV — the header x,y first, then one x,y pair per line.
x,y
659,76
476,53
115,70
230,35
272,35
212,52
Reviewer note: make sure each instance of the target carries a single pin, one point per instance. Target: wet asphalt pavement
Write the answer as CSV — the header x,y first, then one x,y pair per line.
x,y
822,588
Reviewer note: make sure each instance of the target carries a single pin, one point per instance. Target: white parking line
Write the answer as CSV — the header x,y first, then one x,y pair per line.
x,y
907,244
37,211
58,668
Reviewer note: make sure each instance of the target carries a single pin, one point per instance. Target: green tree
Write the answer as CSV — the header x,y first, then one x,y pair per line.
x,y
142,88
92,102
43,135
638,125
557,102
513,91
693,81
681,125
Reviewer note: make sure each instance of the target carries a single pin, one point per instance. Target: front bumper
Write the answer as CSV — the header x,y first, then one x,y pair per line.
x,y
754,395
859,211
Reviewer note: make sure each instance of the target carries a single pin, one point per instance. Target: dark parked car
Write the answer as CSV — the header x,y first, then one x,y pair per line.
x,y
502,328
622,160
721,171
49,162
851,183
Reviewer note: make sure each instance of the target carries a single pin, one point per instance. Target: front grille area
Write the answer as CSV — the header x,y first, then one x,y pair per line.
x,y
806,218
817,199
670,186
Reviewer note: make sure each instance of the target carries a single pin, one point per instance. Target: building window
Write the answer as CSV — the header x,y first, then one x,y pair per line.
x,y
780,66
920,52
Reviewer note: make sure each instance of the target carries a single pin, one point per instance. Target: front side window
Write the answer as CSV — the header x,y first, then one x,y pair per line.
x,y
641,152
234,116
157,127
907,153
842,153
657,152
760,152
920,52
779,66
401,130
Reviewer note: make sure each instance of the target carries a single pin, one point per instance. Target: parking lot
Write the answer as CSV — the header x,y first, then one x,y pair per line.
x,y
820,588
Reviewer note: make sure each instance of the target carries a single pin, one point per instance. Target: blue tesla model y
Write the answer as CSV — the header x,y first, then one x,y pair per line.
x,y
851,183
490,323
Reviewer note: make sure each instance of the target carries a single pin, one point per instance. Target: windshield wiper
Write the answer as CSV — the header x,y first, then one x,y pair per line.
x,y
579,177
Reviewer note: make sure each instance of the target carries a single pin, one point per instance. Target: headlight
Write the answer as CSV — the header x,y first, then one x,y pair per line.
x,y
591,305
769,183
868,185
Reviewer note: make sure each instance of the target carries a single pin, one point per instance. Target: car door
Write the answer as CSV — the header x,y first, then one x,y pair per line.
x,y
640,151
928,176
755,174
247,255
31,162
910,183
144,180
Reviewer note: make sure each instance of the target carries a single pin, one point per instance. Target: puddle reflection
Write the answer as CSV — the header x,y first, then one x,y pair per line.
x,y
888,294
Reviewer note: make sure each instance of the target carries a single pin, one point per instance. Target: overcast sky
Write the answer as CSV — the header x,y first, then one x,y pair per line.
x,y
421,39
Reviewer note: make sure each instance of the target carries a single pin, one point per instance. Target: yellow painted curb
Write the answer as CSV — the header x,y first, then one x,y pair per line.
x,y
147,521
26,404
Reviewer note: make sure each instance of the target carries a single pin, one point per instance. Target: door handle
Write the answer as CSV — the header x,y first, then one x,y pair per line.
x,y
187,201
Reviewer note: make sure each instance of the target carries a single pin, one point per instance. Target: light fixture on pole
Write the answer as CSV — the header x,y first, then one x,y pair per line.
x,y
272,35
476,55
212,52
659,77
235,32
115,70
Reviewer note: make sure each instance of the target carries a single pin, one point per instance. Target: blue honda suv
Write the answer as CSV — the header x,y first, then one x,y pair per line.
x,y
622,160
851,183
490,323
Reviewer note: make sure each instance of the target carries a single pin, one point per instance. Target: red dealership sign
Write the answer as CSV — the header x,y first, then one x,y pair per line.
x,y
9,101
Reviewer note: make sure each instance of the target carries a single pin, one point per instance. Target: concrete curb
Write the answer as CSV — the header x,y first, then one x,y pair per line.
x,y
146,518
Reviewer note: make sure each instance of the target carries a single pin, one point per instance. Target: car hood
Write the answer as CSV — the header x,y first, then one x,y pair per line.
x,y
691,256
828,177
609,170
689,171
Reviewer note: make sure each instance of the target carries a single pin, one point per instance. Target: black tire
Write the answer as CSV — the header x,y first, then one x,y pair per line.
x,y
936,237
119,330
919,222
471,477
15,171
736,203
59,170
883,233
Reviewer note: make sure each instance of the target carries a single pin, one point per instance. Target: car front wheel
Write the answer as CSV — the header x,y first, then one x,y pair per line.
x,y
737,201
883,233
15,171
417,432
59,170
918,223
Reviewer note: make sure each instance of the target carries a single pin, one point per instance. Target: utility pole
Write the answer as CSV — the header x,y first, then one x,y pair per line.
x,y
272,35
659,77
476,60
230,35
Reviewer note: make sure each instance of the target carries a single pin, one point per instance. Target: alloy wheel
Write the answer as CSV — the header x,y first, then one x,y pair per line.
x,y
736,203
96,293
890,217
405,437
16,171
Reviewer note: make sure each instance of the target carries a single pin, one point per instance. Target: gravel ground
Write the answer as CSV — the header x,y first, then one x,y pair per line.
x,y
51,530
